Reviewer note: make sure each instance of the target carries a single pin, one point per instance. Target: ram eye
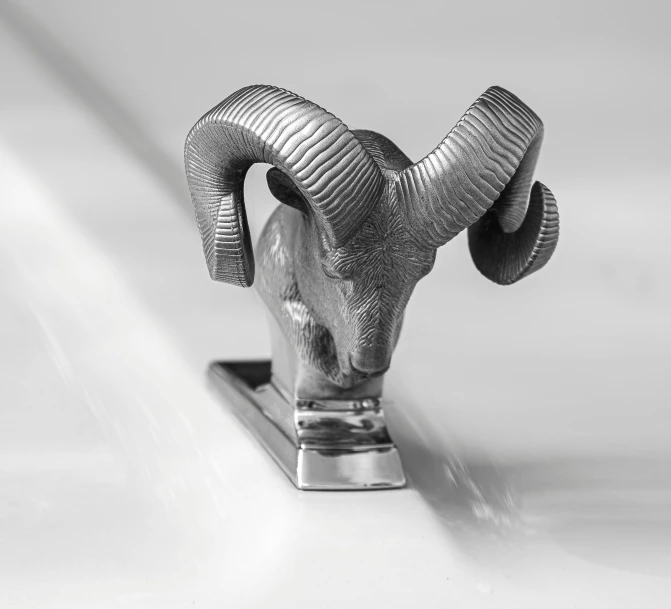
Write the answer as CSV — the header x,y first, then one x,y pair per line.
x,y
330,273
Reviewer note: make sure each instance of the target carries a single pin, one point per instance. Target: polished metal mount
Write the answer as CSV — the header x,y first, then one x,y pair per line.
x,y
319,444
358,226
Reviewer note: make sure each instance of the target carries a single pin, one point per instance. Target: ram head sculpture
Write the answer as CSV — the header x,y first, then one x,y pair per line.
x,y
359,223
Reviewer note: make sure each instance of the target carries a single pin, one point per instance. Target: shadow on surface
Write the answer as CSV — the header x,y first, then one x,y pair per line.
x,y
611,510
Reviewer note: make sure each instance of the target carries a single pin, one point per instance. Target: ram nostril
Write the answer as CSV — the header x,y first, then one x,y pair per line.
x,y
369,363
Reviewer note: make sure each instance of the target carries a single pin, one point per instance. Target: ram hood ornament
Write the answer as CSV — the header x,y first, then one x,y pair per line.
x,y
358,227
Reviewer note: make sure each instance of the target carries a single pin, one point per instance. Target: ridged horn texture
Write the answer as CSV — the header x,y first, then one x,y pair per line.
x,y
266,124
489,157
508,257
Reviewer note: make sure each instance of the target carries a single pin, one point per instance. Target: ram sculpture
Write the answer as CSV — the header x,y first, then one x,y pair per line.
x,y
359,223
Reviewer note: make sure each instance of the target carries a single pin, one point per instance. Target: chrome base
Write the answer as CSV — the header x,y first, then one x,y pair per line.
x,y
319,444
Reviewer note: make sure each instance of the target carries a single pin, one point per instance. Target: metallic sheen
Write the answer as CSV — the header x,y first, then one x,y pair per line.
x,y
319,444
359,227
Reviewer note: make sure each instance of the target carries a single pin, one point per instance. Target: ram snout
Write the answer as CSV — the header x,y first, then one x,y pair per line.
x,y
371,361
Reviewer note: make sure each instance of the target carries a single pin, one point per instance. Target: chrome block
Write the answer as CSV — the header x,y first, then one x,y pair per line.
x,y
319,444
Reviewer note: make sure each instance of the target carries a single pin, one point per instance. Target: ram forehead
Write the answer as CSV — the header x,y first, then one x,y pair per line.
x,y
382,244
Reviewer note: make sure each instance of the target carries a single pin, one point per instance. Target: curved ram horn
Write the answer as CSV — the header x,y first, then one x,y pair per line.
x,y
507,257
489,157
338,177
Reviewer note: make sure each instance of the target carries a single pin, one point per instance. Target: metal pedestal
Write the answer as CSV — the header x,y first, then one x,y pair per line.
x,y
319,444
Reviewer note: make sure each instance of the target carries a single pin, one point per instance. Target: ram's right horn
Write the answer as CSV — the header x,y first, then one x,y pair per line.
x,y
484,167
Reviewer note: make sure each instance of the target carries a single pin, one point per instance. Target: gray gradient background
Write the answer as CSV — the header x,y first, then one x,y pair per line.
x,y
563,378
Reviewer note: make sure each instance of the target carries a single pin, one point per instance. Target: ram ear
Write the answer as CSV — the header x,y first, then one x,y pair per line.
x,y
285,191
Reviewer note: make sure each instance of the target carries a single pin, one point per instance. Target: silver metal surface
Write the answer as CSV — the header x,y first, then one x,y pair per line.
x,y
319,444
360,224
